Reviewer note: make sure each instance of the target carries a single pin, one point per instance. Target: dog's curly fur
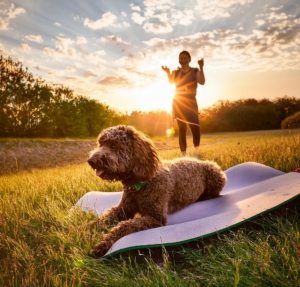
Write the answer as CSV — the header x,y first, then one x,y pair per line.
x,y
129,156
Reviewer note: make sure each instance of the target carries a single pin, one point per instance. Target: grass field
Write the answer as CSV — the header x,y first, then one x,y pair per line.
x,y
44,242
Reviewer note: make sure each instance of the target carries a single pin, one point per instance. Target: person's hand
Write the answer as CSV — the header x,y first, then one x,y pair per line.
x,y
166,69
201,63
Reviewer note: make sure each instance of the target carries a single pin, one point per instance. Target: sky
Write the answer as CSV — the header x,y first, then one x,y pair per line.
x,y
113,50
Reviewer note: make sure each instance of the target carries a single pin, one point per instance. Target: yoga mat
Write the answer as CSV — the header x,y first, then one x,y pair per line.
x,y
252,189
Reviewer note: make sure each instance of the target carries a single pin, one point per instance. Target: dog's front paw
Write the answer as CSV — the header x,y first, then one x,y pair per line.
x,y
100,249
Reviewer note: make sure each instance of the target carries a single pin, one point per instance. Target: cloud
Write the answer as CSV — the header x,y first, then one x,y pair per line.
x,y
260,22
89,74
32,64
158,3
158,28
81,40
277,16
57,74
137,18
116,81
34,38
70,69
8,14
114,40
57,24
160,16
3,51
214,12
276,8
72,52
3,24
25,47
49,51
71,79
63,47
135,7
209,9
81,44
106,20
13,12
154,41
63,43
224,49
125,24
51,74
96,57
184,17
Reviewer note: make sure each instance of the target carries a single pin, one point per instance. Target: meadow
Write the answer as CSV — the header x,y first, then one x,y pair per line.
x,y
44,241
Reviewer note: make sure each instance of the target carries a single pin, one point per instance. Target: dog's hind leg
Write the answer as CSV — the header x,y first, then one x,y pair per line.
x,y
215,180
122,229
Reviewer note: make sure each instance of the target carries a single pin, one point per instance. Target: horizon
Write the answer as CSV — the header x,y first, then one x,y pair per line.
x,y
114,53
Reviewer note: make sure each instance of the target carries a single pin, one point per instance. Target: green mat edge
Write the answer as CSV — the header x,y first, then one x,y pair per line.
x,y
204,236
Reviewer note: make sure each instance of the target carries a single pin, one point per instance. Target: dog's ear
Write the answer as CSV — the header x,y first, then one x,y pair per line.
x,y
146,160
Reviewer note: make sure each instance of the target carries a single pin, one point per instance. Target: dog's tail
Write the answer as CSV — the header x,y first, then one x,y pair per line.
x,y
215,180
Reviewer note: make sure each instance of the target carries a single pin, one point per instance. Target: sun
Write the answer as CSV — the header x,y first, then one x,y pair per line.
x,y
157,96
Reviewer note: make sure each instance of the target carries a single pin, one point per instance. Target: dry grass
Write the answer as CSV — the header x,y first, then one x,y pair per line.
x,y
19,155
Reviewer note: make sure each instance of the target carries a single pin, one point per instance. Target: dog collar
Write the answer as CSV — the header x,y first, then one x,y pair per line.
x,y
139,185
135,187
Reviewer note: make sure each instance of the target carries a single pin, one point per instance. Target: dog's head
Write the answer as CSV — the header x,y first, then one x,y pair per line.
x,y
124,154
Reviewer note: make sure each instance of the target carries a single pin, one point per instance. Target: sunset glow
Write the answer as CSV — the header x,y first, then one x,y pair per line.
x,y
157,96
114,53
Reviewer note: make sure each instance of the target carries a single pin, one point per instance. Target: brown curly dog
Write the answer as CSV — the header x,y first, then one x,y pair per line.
x,y
152,188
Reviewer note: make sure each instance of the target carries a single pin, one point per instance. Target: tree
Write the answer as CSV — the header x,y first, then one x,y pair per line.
x,y
240,115
24,99
31,108
83,117
287,106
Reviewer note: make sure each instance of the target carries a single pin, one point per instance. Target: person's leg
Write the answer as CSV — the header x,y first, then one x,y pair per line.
x,y
182,129
196,132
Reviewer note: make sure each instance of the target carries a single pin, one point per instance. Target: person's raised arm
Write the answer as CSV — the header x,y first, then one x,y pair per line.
x,y
167,70
200,73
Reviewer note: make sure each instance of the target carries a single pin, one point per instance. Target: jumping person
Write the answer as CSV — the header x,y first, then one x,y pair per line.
x,y
185,107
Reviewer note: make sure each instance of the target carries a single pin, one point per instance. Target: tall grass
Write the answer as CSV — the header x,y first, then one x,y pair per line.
x,y
44,241
279,152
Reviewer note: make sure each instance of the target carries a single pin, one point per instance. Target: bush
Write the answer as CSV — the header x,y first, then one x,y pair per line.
x,y
291,122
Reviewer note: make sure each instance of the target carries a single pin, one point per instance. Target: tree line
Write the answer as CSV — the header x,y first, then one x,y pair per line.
x,y
248,114
227,116
30,107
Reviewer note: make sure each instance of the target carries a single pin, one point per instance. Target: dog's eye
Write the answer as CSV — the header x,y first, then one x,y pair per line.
x,y
113,146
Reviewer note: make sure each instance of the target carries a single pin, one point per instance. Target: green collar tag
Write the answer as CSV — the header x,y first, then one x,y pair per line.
x,y
139,185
